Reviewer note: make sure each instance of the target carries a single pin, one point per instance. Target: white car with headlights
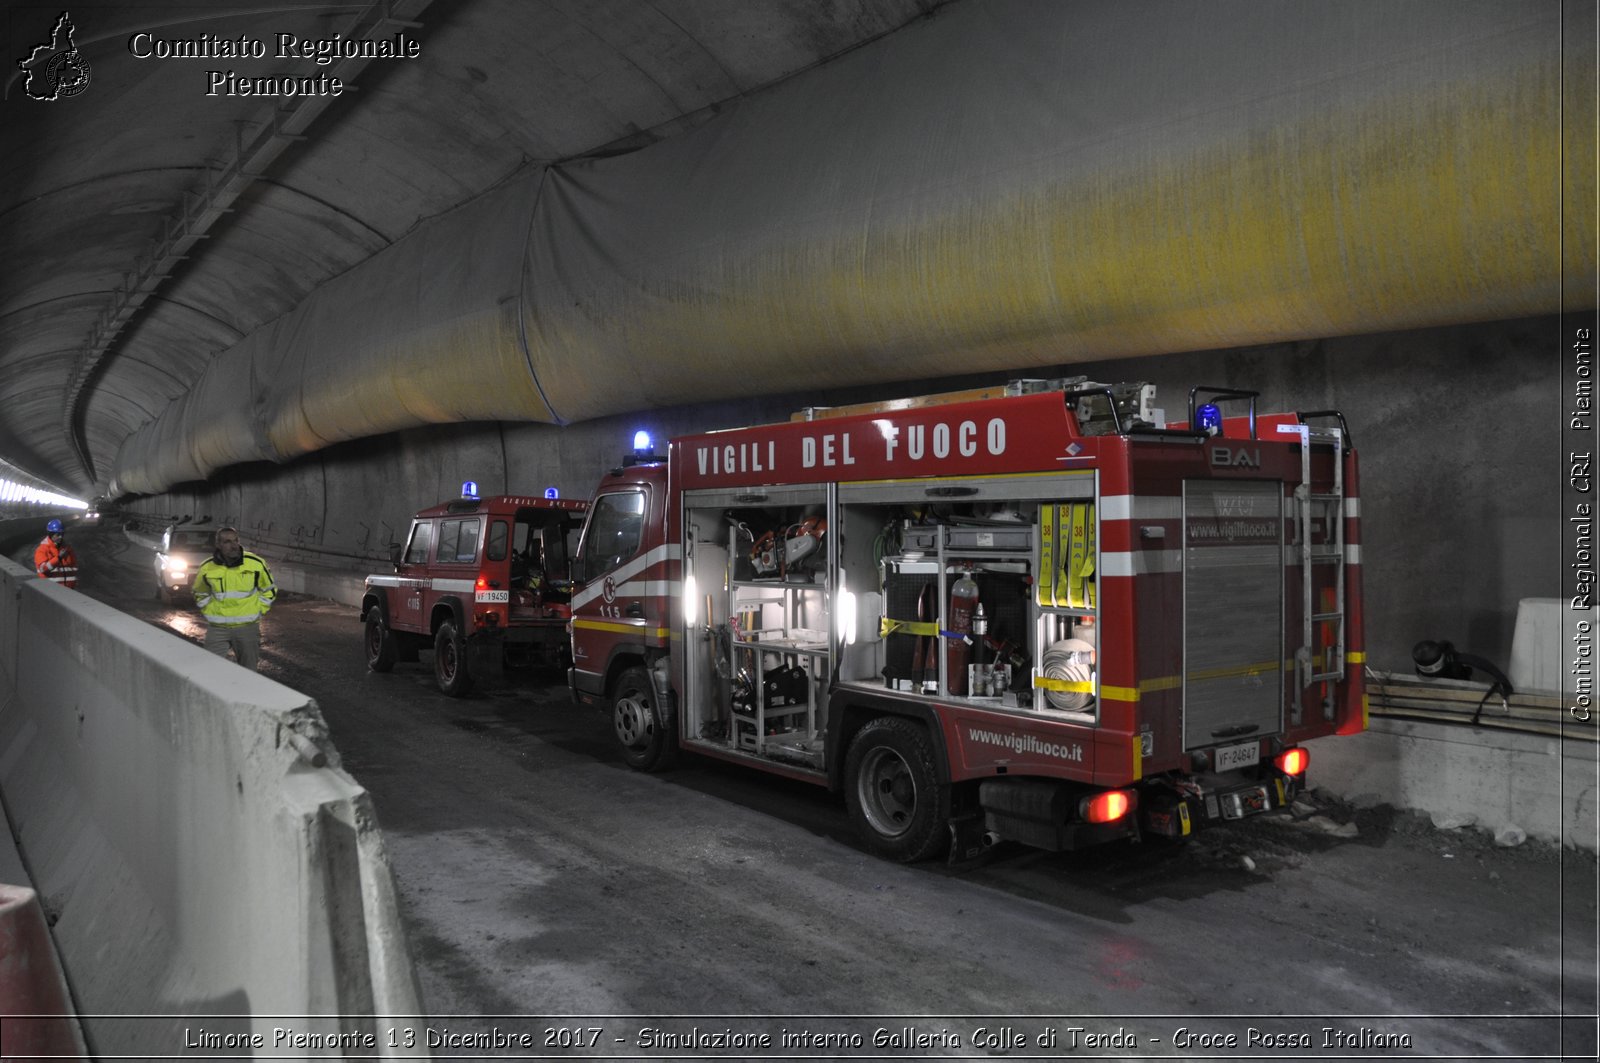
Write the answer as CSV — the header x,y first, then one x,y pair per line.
x,y
183,549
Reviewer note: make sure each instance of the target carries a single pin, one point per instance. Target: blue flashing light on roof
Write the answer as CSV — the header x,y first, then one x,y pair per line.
x,y
643,452
551,493
469,489
1209,418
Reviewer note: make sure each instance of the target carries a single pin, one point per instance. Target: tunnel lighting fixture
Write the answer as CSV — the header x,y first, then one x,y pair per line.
x,y
11,491
1107,807
1293,761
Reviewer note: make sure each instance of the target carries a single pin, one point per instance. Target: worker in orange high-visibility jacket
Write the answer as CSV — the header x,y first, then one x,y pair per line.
x,y
53,559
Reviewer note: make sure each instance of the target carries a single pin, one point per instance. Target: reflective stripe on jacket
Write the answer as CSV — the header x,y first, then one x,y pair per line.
x,y
58,564
238,595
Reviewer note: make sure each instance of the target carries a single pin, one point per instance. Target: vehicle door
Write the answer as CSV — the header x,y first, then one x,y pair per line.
x,y
405,602
607,610
455,564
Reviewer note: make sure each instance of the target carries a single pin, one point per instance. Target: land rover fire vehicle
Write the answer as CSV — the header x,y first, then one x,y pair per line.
x,y
1039,612
483,582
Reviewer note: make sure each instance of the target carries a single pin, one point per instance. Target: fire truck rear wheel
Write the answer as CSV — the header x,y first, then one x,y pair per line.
x,y
380,643
892,790
642,729
450,660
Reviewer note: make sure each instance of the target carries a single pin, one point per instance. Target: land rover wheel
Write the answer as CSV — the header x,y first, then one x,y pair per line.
x,y
450,660
642,728
380,643
892,790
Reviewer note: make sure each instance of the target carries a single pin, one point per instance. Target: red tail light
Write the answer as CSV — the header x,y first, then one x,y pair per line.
x,y
1107,807
483,583
1293,761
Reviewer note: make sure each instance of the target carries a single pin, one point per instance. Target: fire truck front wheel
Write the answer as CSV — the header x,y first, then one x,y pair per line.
x,y
642,728
380,642
450,660
892,790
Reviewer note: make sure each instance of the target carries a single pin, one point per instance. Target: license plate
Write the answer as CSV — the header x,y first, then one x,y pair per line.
x,y
1244,756
492,596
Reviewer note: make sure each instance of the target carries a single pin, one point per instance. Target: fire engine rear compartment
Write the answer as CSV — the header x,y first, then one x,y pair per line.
x,y
804,585
802,591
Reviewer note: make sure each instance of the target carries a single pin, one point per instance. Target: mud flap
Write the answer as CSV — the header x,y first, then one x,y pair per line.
x,y
969,838
486,660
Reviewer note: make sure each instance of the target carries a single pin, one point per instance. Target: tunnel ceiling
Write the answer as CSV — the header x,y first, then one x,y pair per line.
x,y
522,198
120,286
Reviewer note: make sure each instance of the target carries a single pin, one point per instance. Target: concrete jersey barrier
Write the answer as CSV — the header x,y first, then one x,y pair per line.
x,y
198,867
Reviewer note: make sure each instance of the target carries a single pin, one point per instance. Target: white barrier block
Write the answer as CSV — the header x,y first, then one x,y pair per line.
x,y
1538,646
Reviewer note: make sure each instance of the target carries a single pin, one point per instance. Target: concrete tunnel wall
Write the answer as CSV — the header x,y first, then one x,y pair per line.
x,y
1458,430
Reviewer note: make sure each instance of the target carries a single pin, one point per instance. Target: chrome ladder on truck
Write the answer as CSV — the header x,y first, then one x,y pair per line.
x,y
1309,666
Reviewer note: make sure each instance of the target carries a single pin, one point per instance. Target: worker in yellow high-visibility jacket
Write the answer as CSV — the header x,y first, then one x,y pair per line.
x,y
234,590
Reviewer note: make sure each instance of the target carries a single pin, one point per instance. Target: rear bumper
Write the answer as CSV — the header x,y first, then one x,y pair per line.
x,y
1179,808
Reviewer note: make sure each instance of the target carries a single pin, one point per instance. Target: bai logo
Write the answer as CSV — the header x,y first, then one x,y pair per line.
x,y
56,70
1243,458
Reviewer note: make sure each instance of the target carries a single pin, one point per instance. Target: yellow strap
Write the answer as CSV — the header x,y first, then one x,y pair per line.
x,y
1086,570
1075,587
1046,590
1064,541
1073,686
886,626
1080,540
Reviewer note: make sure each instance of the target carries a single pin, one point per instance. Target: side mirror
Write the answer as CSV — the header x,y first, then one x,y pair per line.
x,y
394,555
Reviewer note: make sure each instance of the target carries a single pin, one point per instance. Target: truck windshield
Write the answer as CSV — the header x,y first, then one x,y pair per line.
x,y
615,524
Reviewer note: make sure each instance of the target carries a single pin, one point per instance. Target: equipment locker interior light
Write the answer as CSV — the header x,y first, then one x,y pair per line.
x,y
1107,807
691,600
1293,761
847,615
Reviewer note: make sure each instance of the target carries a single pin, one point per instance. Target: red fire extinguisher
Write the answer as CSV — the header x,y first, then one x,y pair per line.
x,y
958,641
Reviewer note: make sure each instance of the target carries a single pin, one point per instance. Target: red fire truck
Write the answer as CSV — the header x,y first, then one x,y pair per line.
x,y
481,581
1038,613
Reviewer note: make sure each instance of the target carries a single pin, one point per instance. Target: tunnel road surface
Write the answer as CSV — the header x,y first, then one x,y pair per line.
x,y
539,877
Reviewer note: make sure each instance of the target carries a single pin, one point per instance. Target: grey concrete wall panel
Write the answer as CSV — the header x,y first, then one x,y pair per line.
x,y
1543,785
996,186
195,862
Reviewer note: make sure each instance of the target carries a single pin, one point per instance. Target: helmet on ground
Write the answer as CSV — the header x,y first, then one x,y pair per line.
x,y
54,527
